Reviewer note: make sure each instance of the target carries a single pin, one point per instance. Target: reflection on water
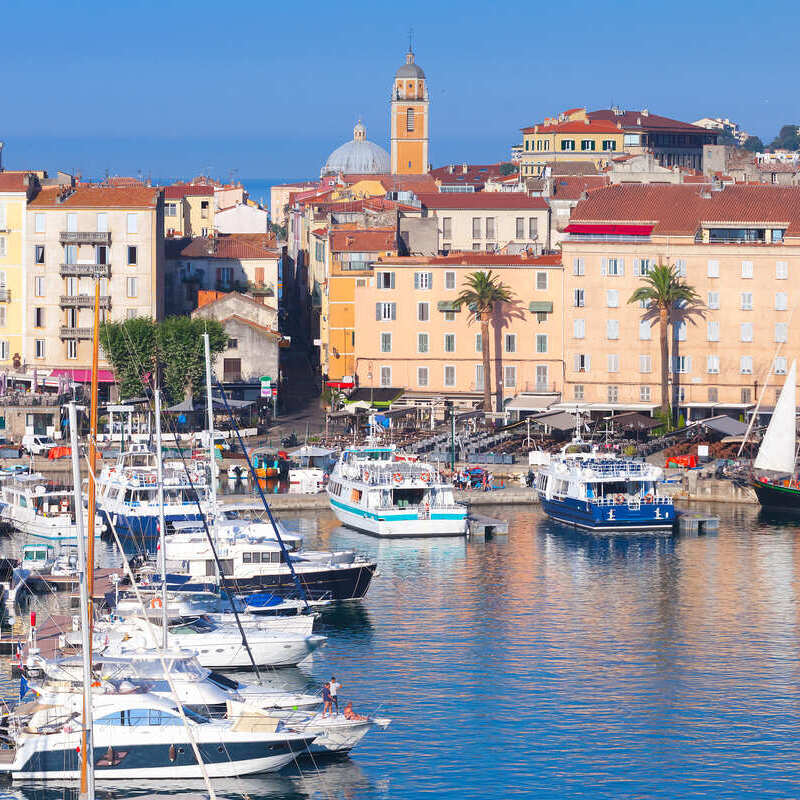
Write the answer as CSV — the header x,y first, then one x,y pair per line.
x,y
552,663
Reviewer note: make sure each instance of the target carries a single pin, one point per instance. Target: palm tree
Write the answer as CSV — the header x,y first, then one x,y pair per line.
x,y
663,290
481,292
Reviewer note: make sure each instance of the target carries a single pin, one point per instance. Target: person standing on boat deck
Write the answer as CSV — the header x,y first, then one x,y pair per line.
x,y
334,690
326,700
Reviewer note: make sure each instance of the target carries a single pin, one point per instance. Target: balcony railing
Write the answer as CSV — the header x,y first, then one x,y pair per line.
x,y
83,301
75,333
85,237
5,295
85,270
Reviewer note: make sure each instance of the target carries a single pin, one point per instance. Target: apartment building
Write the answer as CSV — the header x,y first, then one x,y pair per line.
x,y
489,221
409,334
15,189
738,246
73,233
352,253
189,209
243,262
598,136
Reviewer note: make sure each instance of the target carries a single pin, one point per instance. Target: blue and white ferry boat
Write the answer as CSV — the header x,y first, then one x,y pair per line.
x,y
127,494
375,490
600,491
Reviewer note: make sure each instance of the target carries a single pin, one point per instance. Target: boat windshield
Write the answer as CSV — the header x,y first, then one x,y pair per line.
x,y
185,668
199,625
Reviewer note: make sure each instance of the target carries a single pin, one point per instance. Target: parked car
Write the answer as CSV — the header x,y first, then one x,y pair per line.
x,y
36,444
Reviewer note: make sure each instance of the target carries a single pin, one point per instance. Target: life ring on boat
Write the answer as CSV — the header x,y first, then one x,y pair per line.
x,y
397,477
619,499
425,477
648,498
156,602
366,475
64,505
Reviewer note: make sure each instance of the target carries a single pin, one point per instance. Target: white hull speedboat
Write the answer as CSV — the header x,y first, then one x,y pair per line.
x,y
375,491
142,736
334,733
216,646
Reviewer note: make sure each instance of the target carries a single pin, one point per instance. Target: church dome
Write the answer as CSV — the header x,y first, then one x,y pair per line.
x,y
358,156
410,69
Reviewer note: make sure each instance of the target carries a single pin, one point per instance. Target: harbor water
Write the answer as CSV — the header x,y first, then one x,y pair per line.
x,y
551,664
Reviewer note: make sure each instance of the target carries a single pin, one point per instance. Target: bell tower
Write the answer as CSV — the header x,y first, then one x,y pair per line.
x,y
409,119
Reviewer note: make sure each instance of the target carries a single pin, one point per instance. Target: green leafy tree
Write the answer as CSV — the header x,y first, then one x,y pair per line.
x,y
753,144
174,346
662,290
482,292
507,168
787,139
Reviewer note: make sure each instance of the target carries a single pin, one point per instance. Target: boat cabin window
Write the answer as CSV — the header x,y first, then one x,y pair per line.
x,y
263,557
407,497
140,716
227,566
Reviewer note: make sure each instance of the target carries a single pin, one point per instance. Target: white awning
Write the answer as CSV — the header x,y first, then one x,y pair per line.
x,y
530,402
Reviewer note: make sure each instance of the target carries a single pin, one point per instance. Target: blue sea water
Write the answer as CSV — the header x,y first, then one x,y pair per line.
x,y
556,664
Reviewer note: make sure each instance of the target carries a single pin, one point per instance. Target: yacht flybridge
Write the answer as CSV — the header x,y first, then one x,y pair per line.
x,y
377,491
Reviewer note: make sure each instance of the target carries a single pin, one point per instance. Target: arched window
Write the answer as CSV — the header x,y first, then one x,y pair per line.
x,y
410,119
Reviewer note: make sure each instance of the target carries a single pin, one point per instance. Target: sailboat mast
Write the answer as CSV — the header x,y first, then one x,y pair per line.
x,y
162,524
87,743
210,411
93,449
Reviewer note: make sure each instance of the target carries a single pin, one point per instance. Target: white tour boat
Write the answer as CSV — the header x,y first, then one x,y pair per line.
x,y
376,491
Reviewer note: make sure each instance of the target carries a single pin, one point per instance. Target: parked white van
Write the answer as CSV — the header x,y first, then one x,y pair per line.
x,y
36,444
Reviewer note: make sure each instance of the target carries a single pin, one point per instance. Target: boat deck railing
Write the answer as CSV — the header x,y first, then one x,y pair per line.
x,y
390,474
612,468
632,501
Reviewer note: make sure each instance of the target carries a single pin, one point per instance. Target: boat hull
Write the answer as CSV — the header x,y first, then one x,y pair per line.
x,y
400,524
619,517
142,760
783,499
334,583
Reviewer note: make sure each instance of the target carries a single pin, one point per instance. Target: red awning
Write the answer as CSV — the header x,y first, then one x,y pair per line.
x,y
83,375
610,230
341,384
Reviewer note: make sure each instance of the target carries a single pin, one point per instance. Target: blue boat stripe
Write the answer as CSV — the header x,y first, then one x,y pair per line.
x,y
391,516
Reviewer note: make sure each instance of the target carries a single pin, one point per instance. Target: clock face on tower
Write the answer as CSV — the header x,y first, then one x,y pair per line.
x,y
409,120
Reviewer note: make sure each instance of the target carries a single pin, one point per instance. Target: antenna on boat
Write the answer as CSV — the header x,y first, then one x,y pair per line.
x,y
210,413
87,739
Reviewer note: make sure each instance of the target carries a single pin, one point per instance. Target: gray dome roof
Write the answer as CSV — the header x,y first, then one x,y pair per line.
x,y
410,69
359,156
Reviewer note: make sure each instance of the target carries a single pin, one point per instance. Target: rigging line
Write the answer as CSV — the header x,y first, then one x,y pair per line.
x,y
217,561
193,491
285,552
149,629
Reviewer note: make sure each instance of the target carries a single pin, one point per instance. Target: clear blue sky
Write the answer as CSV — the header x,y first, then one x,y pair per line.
x,y
268,89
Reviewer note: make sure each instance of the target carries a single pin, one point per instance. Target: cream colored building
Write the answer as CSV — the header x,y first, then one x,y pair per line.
x,y
15,189
739,247
71,234
489,221
408,334
189,209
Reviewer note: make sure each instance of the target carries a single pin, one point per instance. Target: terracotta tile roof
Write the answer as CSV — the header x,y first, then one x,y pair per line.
x,y
572,187
319,232
371,240
573,168
213,296
91,196
180,190
261,328
13,181
636,120
680,209
575,126
471,258
482,200
476,174
122,180
246,246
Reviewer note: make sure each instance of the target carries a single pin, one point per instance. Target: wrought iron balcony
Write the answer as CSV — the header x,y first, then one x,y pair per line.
x,y
5,295
83,301
75,333
85,237
85,270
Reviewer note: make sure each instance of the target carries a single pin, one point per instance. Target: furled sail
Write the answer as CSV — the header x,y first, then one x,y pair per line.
x,y
778,447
